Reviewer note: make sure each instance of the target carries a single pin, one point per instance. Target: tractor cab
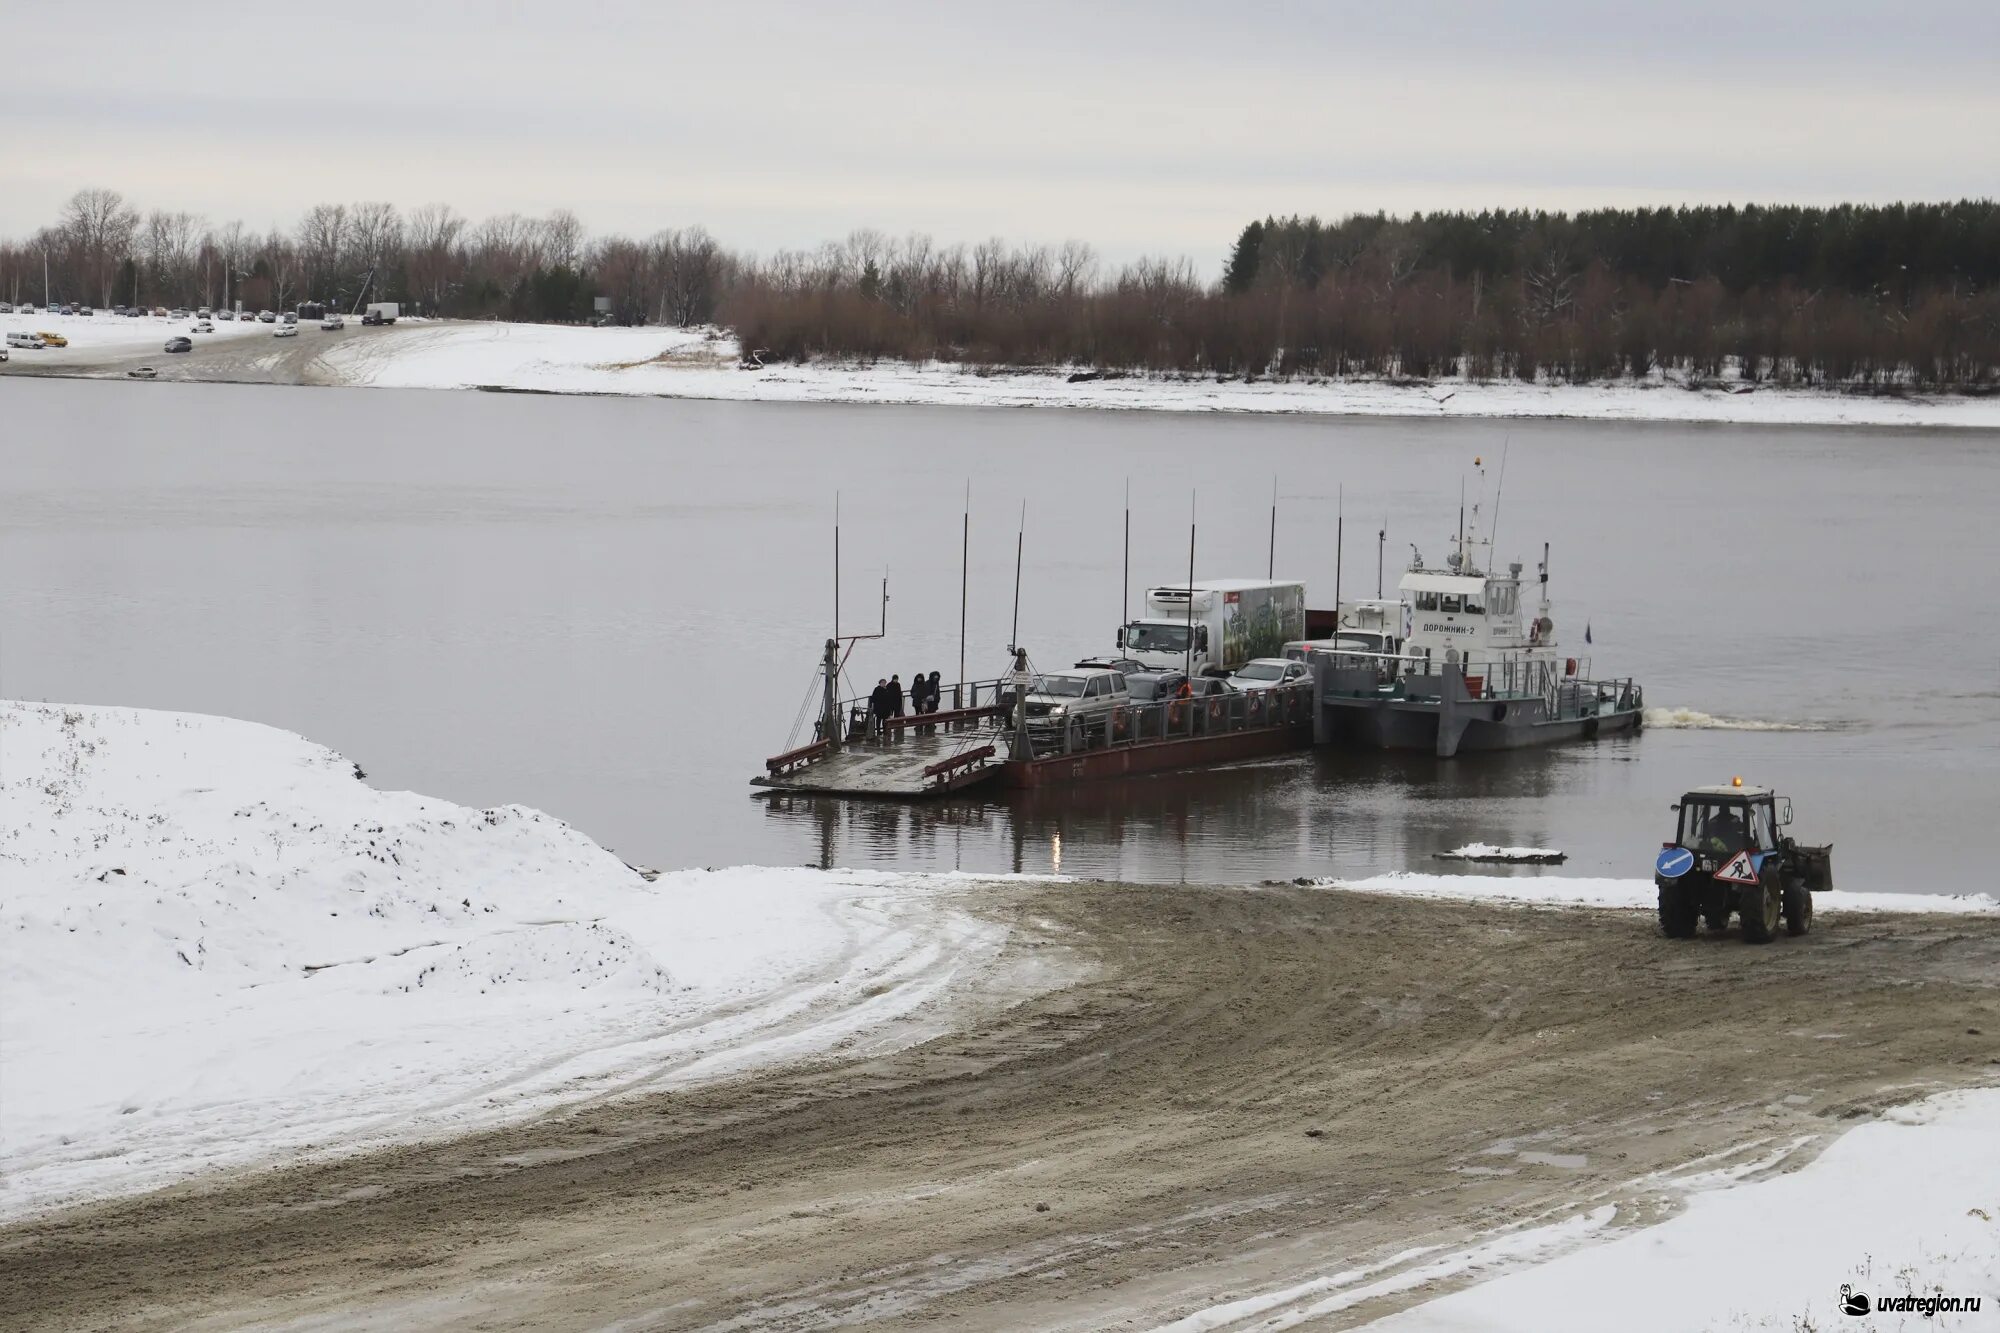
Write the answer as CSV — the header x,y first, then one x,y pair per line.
x,y
1718,822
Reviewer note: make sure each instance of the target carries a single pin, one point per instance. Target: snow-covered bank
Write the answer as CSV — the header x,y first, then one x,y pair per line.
x,y
688,363
1900,1207
1563,891
222,947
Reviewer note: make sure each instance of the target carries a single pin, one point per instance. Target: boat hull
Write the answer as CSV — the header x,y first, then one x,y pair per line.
x,y
1382,725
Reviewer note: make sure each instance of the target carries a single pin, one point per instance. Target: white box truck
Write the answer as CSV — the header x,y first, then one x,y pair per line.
x,y
1216,624
379,312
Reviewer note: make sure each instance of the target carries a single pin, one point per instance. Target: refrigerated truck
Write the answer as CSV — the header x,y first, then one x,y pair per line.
x,y
1215,625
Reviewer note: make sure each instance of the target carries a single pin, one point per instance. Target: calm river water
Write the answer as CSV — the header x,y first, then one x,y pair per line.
x,y
612,609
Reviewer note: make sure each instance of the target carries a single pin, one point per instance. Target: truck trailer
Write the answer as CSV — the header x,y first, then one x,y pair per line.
x,y
1215,625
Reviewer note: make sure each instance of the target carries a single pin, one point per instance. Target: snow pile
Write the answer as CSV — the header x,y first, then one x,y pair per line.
x,y
703,363
1480,851
1562,891
223,947
1904,1206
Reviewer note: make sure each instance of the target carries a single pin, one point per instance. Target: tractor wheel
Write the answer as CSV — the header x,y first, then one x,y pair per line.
x,y
1677,910
1798,908
1760,909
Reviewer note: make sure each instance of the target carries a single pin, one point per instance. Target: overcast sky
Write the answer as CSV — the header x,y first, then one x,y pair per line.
x,y
1143,128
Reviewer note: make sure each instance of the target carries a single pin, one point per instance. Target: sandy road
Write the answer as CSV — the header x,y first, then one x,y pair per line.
x,y
1253,1087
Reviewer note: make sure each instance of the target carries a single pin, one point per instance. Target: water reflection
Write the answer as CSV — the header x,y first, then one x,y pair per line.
x,y
1317,813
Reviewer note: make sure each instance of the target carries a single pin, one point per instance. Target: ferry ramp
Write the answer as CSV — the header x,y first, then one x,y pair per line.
x,y
912,765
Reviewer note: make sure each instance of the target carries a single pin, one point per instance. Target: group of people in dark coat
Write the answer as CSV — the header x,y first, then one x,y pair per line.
x,y
888,698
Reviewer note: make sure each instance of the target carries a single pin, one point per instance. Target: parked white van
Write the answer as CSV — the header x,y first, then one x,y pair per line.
x,y
25,340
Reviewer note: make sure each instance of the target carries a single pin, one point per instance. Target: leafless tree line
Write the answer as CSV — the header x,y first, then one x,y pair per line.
x,y
1364,297
101,250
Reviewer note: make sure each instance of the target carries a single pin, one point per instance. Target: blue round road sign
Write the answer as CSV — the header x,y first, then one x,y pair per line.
x,y
1674,862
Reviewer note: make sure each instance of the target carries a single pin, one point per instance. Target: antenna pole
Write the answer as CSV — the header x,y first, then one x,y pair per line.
x,y
1125,587
836,564
1381,554
1020,540
1339,548
1271,560
1187,664
1461,521
964,583
1499,494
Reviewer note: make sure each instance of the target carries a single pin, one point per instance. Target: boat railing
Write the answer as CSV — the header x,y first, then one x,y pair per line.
x,y
1563,684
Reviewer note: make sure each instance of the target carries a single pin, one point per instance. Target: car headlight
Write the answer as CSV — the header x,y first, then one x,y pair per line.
x,y
1057,710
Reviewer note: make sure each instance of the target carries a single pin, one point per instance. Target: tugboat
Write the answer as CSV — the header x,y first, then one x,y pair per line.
x,y
1472,673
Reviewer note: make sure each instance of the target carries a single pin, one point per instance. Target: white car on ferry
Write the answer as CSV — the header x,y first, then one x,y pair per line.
x,y
1268,673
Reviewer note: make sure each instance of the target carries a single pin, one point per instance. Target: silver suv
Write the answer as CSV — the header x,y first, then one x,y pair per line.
x,y
1056,697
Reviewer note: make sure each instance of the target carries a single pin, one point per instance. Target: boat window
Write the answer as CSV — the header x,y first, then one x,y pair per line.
x,y
1473,606
1427,601
1452,602
1157,638
1062,687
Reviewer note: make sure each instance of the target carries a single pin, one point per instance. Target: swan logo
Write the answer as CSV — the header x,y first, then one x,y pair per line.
x,y
1852,1301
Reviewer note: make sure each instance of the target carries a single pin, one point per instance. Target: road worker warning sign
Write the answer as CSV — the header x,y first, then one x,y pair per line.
x,y
1738,869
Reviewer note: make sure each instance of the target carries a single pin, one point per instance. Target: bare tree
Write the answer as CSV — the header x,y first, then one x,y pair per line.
x,y
375,239
322,238
436,259
561,239
97,227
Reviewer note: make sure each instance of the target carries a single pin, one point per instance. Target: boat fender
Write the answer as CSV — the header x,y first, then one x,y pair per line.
x,y
1174,713
1569,666
1215,710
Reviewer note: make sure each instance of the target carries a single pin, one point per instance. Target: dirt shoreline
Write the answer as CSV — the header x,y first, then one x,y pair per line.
x,y
1249,1088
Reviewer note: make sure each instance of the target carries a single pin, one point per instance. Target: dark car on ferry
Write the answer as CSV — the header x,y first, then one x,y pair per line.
x,y
1150,686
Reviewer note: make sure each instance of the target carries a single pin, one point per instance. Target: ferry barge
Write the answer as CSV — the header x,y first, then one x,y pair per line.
x,y
989,738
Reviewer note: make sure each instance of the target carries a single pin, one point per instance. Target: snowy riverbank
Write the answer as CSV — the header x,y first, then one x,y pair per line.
x,y
704,363
224,948
693,363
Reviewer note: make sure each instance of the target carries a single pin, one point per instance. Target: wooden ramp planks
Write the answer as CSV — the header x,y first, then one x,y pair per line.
x,y
892,768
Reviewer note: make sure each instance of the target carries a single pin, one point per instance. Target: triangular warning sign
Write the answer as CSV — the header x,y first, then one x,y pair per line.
x,y
1738,870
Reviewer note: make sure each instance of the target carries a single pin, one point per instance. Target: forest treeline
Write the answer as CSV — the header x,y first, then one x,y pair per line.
x,y
1854,295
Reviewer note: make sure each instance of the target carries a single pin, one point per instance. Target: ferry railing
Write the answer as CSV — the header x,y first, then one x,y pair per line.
x,y
1173,719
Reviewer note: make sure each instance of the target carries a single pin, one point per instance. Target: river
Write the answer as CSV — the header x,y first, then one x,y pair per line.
x,y
611,609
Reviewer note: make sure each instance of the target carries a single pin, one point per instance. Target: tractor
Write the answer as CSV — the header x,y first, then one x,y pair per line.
x,y
1731,854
